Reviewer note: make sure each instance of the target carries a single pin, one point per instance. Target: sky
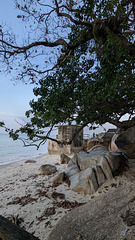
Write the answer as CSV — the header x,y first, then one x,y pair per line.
x,y
14,98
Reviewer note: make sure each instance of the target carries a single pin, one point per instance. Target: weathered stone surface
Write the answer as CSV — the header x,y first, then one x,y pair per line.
x,y
100,175
64,159
10,231
59,178
126,142
55,149
84,182
79,183
47,169
92,181
100,163
104,217
114,159
65,133
112,146
106,168
91,142
107,136
85,160
74,159
72,169
93,158
99,148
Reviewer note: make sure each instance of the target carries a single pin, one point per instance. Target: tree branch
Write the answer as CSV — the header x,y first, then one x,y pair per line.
x,y
124,124
66,15
34,44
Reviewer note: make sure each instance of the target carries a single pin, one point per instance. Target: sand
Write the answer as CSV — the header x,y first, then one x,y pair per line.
x,y
26,196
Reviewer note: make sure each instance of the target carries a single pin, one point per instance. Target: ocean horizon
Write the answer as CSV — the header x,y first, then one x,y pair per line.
x,y
13,151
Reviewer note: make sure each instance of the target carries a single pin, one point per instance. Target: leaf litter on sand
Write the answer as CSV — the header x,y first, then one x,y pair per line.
x,y
23,200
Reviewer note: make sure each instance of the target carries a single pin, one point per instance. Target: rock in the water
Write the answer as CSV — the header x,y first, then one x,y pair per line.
x,y
126,142
64,159
47,169
59,178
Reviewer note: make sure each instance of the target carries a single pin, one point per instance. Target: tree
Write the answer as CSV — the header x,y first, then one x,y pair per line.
x,y
81,55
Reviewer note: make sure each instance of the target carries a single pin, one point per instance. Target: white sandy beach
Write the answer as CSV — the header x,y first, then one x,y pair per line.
x,y
25,193
28,195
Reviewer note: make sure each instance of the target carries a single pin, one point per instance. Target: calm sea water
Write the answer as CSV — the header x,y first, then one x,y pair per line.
x,y
12,151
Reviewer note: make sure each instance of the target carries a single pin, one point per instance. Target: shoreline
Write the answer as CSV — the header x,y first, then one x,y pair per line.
x,y
20,160
14,151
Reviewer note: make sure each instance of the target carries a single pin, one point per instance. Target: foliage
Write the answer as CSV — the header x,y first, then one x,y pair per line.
x,y
90,48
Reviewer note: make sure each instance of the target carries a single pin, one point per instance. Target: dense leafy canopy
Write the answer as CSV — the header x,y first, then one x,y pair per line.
x,y
90,46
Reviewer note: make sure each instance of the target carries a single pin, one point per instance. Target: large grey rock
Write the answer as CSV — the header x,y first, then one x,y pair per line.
x,y
93,157
72,169
86,160
92,181
105,168
79,183
89,170
112,146
100,175
47,169
114,159
110,217
126,142
84,182
10,231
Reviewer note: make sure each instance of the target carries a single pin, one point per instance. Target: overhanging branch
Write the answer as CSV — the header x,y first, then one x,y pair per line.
x,y
122,125
66,15
34,44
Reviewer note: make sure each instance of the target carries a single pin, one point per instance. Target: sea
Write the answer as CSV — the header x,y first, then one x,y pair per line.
x,y
13,151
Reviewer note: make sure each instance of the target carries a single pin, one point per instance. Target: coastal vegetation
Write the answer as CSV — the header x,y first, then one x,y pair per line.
x,y
80,56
